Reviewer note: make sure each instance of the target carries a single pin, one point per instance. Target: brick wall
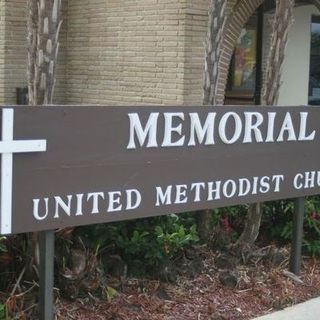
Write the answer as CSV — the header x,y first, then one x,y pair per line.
x,y
121,52
125,51
15,49
13,72
196,21
2,6
112,51
196,28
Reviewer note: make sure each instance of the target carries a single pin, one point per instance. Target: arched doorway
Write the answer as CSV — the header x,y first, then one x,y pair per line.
x,y
236,21
241,13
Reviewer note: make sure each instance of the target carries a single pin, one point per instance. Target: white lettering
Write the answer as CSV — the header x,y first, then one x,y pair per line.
x,y
169,129
130,204
150,130
181,191
244,187
79,204
277,179
36,209
223,126
264,184
163,198
214,190
309,178
197,186
252,127
225,188
271,118
95,200
66,207
303,128
196,129
287,126
114,199
297,183
255,185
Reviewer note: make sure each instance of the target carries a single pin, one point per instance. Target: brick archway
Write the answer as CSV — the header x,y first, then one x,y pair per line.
x,y
237,19
240,13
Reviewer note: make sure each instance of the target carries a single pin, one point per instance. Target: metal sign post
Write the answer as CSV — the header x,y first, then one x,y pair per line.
x,y
46,298
297,235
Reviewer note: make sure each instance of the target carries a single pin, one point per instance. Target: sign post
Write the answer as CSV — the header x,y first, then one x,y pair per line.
x,y
297,235
46,275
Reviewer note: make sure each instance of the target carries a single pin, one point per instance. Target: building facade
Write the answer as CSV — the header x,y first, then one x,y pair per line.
x,y
120,52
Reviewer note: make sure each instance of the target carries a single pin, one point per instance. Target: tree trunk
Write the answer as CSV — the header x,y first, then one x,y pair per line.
x,y
217,18
204,224
44,22
217,15
43,25
282,22
251,229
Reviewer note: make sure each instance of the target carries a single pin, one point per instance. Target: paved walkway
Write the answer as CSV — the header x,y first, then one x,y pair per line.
x,y
309,310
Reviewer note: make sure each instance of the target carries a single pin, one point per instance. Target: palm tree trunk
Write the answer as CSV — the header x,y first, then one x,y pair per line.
x,y
282,22
44,22
217,16
43,26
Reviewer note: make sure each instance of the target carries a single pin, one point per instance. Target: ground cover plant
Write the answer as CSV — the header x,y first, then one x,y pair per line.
x,y
156,260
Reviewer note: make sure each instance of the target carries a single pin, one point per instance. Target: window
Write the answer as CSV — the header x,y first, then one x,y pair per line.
x,y
314,75
242,75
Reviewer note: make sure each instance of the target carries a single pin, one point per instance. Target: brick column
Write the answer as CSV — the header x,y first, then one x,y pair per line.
x,y
2,23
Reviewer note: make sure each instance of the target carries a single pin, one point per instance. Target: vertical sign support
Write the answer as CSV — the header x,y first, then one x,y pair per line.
x,y
46,298
297,235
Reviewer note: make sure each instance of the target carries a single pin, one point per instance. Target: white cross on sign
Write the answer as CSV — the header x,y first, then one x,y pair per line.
x,y
8,147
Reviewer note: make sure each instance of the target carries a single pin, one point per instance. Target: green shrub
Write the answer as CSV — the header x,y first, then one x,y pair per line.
x,y
278,222
312,226
146,243
2,311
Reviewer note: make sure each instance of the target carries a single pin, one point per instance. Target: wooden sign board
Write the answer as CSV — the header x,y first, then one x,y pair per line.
x,y
76,165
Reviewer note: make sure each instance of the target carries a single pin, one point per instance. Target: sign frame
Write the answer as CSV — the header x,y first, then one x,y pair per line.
x,y
137,146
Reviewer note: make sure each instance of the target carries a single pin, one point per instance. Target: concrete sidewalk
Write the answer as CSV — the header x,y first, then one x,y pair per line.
x,y
309,310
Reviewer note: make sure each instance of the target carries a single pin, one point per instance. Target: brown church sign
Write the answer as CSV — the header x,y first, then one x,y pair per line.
x,y
69,166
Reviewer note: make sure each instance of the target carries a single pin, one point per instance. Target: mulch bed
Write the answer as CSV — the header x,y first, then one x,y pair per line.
x,y
261,289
